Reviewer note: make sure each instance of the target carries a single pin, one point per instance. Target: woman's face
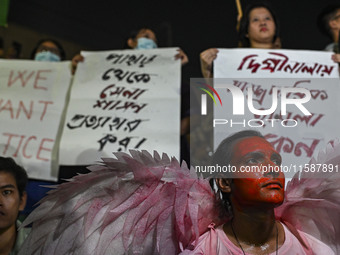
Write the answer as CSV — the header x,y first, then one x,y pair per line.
x,y
143,34
48,46
261,27
264,185
147,33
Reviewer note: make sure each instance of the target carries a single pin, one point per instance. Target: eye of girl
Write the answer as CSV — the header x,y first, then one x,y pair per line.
x,y
251,161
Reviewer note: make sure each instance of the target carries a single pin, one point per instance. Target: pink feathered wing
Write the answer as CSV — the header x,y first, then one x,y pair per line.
x,y
312,200
135,204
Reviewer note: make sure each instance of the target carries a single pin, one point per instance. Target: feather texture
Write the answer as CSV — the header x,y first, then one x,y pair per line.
x,y
138,204
312,198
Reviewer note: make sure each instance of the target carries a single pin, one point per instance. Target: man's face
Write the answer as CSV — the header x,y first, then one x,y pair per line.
x,y
260,186
10,201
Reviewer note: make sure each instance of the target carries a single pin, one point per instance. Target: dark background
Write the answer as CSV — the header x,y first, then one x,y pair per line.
x,y
191,25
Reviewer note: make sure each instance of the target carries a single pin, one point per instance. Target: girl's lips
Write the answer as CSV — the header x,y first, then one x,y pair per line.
x,y
272,184
264,29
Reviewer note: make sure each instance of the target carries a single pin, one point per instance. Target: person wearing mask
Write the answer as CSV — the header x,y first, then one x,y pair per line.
x,y
48,50
140,39
145,39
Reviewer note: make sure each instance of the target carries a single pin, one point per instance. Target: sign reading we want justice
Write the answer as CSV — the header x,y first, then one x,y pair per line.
x,y
32,100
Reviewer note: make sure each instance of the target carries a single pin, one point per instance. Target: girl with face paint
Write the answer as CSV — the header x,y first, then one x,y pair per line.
x,y
144,204
253,196
249,200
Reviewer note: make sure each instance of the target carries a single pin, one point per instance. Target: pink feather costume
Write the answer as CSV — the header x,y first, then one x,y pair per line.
x,y
135,204
141,204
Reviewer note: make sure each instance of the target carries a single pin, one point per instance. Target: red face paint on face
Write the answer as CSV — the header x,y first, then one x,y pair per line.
x,y
259,180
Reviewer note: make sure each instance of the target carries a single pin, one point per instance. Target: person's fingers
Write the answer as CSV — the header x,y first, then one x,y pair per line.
x,y
181,55
209,55
336,58
75,60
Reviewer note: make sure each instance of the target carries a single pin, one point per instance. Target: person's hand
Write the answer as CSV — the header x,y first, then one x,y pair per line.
x,y
182,56
207,57
336,58
75,60
185,125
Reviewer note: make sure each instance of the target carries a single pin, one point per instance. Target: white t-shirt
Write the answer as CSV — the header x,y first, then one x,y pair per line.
x,y
291,245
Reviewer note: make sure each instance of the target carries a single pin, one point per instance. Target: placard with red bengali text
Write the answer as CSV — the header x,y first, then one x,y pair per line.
x,y
272,99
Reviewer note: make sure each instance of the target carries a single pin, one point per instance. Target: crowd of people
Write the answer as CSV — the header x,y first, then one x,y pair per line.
x,y
253,228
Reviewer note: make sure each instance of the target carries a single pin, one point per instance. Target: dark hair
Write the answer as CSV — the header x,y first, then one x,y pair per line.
x,y
8,165
133,34
60,48
326,15
222,157
224,152
244,24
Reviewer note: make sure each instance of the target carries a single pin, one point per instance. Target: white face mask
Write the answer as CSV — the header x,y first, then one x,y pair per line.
x,y
46,56
145,44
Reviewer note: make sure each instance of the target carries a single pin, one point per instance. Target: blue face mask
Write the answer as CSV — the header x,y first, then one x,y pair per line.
x,y
145,44
47,56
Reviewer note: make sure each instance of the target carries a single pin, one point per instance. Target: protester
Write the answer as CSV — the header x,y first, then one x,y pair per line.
x,y
144,204
259,28
249,199
145,39
48,50
13,179
329,24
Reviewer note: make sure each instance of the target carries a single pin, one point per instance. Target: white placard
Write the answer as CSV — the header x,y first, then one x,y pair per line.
x,y
296,135
121,100
32,100
259,63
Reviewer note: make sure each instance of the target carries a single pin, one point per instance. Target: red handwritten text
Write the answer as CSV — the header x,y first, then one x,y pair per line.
x,y
285,144
28,146
16,109
24,77
280,63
